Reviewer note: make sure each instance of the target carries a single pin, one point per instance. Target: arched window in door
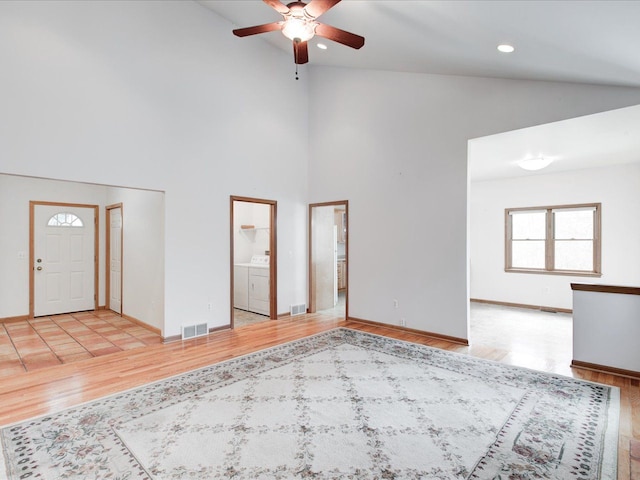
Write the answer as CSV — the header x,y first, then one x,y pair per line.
x,y
65,219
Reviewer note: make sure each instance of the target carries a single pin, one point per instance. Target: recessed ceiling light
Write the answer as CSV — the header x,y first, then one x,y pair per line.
x,y
322,46
504,48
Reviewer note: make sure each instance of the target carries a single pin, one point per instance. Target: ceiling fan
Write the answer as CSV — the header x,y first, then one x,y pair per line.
x,y
299,25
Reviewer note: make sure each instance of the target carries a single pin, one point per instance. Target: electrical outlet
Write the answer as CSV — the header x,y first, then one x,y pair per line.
x,y
403,323
395,303
209,306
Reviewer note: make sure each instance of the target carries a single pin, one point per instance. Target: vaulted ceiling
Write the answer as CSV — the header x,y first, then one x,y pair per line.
x,y
593,42
574,41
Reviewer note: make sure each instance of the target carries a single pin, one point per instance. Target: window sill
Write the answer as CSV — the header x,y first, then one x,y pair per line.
x,y
566,273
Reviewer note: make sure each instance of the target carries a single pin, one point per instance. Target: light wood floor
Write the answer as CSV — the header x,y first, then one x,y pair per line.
x,y
51,389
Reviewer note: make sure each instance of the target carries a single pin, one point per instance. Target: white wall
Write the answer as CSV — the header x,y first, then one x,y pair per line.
x,y
395,146
142,253
616,187
606,329
249,242
242,247
161,95
15,195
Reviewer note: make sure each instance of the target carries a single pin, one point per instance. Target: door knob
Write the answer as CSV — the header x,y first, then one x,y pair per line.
x,y
39,268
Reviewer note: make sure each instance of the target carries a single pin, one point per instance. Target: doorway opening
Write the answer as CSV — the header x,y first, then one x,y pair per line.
x,y
63,256
590,148
329,258
253,260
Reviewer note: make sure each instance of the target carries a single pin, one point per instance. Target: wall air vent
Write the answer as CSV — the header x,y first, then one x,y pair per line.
x,y
191,331
298,309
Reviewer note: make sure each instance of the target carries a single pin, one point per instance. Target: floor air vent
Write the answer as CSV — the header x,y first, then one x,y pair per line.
x,y
190,331
299,309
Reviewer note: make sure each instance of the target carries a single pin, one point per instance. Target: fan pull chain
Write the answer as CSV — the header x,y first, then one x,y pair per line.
x,y
297,72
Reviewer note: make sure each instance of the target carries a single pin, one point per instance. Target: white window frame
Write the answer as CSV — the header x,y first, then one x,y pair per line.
x,y
74,222
550,241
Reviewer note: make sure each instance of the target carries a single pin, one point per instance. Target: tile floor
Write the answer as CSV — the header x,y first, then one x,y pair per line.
x,y
46,341
242,318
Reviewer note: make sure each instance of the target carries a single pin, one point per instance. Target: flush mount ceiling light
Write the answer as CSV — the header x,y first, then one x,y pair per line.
x,y
299,25
504,48
321,46
536,163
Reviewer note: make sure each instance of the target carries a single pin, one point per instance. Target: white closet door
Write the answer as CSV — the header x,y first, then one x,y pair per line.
x,y
115,257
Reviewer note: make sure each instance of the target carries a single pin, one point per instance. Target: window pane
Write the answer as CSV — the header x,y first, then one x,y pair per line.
x,y
527,254
576,224
529,225
64,219
574,255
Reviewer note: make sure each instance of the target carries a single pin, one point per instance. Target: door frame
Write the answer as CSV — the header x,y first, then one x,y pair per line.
x,y
312,286
107,272
273,254
96,243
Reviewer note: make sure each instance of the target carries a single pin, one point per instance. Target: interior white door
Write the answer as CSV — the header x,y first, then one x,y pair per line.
x,y
323,256
115,259
335,265
63,259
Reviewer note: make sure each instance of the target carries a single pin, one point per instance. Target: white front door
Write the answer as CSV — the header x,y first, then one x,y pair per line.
x,y
115,259
64,256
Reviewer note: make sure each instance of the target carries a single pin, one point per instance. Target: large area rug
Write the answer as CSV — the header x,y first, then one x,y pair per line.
x,y
341,404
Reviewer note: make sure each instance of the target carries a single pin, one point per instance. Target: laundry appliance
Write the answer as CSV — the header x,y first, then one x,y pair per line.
x,y
251,285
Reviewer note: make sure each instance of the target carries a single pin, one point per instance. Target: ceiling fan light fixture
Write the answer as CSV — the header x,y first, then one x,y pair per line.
x,y
299,29
299,25
536,163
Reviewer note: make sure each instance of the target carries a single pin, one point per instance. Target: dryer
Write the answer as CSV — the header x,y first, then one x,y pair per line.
x,y
251,285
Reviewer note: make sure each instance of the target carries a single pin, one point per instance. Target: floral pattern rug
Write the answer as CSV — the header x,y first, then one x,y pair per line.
x,y
340,404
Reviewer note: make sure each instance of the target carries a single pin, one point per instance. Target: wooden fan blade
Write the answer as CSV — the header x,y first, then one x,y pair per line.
x,y
300,52
315,8
277,6
267,27
346,38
